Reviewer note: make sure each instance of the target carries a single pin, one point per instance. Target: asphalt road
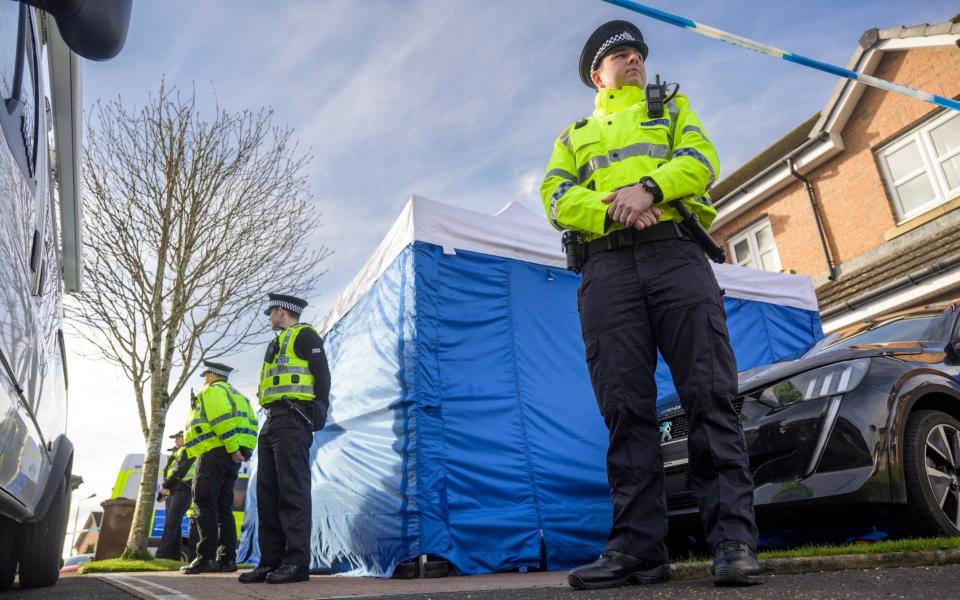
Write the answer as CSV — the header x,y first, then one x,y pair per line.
x,y
71,587
929,583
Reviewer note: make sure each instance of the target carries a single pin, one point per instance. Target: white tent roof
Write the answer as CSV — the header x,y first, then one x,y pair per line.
x,y
516,232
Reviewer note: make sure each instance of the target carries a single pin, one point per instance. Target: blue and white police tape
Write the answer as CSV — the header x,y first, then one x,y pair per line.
x,y
718,34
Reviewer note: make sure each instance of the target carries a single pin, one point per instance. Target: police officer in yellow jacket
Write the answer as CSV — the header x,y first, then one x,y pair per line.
x,y
647,286
221,434
177,493
294,391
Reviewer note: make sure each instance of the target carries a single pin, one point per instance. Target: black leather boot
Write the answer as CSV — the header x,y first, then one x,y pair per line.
x,y
227,566
614,569
289,574
258,575
200,565
734,563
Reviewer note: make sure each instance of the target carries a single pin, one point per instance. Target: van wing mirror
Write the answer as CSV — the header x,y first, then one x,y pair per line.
x,y
95,30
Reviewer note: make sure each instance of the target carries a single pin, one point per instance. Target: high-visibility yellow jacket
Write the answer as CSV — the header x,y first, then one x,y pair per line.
x,y
174,463
222,417
287,375
619,145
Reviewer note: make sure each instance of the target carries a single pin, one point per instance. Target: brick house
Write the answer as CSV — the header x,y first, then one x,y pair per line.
x,y
86,539
864,196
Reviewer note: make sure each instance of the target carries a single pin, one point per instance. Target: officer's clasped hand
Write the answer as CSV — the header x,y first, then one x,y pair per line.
x,y
633,207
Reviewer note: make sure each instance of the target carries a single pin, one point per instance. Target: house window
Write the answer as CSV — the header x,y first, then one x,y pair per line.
x,y
756,248
922,168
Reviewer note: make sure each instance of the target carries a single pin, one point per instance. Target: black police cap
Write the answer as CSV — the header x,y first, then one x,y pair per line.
x,y
607,37
216,368
289,303
176,435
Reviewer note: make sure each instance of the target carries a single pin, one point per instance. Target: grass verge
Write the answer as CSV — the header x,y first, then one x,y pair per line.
x,y
885,547
904,545
118,565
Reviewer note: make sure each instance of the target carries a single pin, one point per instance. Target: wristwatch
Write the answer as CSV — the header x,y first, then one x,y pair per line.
x,y
651,186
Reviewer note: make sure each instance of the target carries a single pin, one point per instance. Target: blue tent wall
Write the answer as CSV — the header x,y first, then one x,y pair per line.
x,y
462,420
511,438
364,518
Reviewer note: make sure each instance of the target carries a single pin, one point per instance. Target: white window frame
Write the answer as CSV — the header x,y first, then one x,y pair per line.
x,y
750,235
932,167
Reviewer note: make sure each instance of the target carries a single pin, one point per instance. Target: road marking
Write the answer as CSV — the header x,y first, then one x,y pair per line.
x,y
142,586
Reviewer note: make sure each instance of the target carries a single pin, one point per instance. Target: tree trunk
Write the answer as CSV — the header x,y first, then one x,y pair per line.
x,y
146,496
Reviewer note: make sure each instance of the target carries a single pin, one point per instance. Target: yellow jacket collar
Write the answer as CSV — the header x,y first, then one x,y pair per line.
x,y
611,101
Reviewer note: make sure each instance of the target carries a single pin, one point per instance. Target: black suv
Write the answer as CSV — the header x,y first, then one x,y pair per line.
x,y
865,426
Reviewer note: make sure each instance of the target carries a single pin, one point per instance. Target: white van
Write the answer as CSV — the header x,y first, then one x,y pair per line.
x,y
40,45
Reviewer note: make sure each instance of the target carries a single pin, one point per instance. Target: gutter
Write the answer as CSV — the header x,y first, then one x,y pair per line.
x,y
912,279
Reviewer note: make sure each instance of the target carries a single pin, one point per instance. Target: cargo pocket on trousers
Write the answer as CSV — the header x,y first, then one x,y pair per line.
x,y
724,367
595,367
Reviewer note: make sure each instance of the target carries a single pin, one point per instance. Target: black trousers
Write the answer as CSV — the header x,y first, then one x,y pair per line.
x,y
177,504
636,300
193,540
213,484
283,490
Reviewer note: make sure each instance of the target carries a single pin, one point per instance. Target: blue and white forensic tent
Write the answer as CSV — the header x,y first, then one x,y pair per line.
x,y
462,422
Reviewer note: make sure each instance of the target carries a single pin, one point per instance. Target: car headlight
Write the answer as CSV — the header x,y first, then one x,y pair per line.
x,y
831,380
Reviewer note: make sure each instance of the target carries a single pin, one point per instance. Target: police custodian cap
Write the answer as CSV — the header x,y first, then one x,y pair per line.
x,y
607,37
216,368
290,303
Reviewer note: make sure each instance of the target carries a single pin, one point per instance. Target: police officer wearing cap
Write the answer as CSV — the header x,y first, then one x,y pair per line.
x,y
646,287
176,490
294,391
221,434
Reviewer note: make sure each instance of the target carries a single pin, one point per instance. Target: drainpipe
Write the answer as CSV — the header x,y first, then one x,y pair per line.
x,y
817,218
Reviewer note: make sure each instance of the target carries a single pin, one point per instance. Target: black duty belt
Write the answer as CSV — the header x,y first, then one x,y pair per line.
x,y
668,230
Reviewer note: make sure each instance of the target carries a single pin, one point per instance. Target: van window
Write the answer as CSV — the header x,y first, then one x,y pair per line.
x,y
9,27
28,95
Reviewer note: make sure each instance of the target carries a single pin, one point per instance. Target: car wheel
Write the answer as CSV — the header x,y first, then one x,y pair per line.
x,y
406,570
8,560
436,568
931,464
41,543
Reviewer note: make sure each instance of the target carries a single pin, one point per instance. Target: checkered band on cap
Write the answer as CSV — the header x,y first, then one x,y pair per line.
x,y
623,36
294,308
217,371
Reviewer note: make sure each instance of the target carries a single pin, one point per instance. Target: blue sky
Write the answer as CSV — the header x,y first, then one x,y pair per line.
x,y
455,100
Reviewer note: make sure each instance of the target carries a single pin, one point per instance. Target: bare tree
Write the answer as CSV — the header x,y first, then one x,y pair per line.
x,y
188,223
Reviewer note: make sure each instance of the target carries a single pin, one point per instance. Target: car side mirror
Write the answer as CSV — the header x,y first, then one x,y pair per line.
x,y
94,30
953,346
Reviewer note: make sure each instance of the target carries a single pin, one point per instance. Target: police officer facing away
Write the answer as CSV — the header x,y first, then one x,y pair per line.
x,y
646,287
221,434
294,390
177,479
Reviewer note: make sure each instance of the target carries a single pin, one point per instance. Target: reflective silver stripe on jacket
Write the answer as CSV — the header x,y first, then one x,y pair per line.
x,y
565,140
284,369
285,389
601,162
562,174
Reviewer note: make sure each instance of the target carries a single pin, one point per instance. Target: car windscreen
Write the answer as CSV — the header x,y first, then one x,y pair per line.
x,y
901,329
